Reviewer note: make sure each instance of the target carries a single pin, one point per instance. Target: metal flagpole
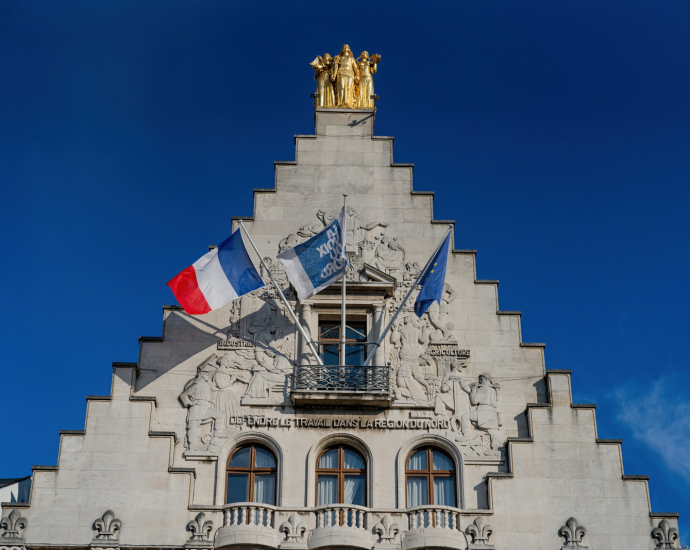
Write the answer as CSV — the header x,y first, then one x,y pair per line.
x,y
344,291
282,297
402,305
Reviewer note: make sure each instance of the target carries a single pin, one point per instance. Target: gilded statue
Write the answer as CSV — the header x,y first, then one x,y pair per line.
x,y
344,81
365,87
323,67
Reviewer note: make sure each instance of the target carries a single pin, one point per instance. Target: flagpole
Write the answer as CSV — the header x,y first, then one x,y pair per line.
x,y
402,305
307,339
344,291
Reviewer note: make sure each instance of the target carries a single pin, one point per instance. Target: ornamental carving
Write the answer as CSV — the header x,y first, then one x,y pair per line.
x,y
479,532
665,535
387,529
108,527
200,528
294,529
572,533
13,524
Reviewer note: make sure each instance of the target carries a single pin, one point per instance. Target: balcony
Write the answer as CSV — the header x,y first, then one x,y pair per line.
x,y
341,385
340,526
248,525
434,527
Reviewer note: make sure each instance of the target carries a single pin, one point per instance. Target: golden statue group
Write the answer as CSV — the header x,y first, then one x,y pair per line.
x,y
345,81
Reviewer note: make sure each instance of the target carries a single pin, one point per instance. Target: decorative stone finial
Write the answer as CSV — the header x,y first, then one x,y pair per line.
x,y
573,534
479,531
386,529
13,524
201,529
666,536
293,528
108,527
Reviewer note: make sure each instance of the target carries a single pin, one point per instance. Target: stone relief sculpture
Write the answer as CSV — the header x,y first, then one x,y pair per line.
x,y
206,401
344,81
270,374
572,533
410,339
479,532
665,535
13,524
200,528
108,528
484,396
439,316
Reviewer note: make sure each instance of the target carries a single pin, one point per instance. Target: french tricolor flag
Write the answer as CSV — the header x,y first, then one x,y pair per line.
x,y
222,275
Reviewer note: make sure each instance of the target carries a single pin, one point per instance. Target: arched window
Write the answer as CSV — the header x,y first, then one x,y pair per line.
x,y
430,478
341,476
251,475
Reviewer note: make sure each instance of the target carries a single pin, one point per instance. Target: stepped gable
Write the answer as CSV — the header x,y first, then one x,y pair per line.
x,y
523,466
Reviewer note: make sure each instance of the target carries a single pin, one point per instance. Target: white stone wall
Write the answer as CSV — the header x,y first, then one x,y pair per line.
x,y
131,457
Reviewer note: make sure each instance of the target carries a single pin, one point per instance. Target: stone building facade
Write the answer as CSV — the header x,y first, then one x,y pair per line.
x,y
227,434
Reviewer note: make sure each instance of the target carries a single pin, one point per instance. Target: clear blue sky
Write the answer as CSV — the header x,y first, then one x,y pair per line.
x,y
557,134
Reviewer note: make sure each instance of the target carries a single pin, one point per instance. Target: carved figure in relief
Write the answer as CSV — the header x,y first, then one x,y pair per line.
x,y
451,389
229,371
439,315
410,339
346,76
199,396
324,80
389,255
365,88
270,374
483,395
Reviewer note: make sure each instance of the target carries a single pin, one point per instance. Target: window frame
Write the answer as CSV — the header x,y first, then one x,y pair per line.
x,y
341,472
430,473
351,319
251,471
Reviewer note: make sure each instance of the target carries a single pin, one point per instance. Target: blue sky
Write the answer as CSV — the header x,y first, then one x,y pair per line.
x,y
555,133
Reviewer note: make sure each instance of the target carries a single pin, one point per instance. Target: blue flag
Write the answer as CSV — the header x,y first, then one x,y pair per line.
x,y
319,261
433,280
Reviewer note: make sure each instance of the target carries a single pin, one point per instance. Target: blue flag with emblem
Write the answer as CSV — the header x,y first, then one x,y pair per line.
x,y
433,280
319,261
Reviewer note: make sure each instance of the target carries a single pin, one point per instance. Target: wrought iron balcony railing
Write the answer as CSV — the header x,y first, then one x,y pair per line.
x,y
352,379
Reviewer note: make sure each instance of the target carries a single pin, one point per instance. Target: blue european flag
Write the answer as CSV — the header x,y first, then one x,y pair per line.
x,y
432,280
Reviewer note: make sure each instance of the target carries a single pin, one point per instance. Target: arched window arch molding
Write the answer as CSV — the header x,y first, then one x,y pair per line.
x,y
436,441
334,439
238,440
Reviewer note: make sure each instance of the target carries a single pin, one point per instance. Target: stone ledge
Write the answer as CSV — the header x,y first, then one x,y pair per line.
x,y
177,470
9,505
532,345
559,371
509,313
98,398
443,222
162,434
635,478
303,136
539,406
486,281
125,364
670,515
462,251
42,468
583,406
144,398
173,308
609,441
72,432
277,163
150,339
264,190
519,440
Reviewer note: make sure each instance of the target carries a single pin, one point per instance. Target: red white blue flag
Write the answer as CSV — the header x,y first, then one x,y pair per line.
x,y
217,278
